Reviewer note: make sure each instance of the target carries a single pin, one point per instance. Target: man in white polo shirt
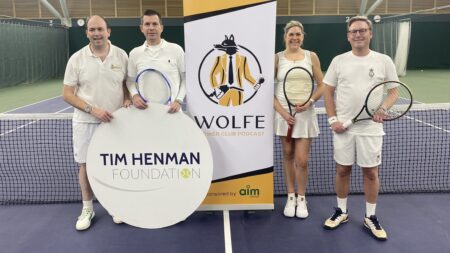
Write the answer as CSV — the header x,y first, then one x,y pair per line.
x,y
94,84
351,75
166,57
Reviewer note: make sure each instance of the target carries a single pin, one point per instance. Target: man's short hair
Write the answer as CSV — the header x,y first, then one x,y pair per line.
x,y
89,18
359,18
151,12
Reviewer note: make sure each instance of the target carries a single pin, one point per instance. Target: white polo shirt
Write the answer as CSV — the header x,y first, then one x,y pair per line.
x,y
166,57
99,84
353,77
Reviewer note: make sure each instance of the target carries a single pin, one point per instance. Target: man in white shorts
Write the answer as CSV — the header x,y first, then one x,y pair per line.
x,y
351,75
94,84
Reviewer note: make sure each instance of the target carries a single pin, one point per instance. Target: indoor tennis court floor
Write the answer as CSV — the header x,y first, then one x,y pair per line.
x,y
414,222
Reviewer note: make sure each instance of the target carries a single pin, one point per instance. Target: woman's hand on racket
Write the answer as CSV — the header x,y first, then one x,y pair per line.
x,y
302,108
289,118
174,107
102,115
139,102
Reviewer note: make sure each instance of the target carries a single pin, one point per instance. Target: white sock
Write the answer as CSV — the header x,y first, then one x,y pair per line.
x,y
300,198
291,196
342,204
370,209
88,204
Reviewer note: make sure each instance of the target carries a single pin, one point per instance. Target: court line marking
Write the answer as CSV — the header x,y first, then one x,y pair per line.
x,y
428,124
227,231
35,103
65,109
29,123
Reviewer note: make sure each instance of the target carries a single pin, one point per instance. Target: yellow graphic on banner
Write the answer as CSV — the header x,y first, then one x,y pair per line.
x,y
193,7
255,190
226,80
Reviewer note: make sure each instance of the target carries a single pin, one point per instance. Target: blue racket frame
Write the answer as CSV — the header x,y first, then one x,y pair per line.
x,y
136,83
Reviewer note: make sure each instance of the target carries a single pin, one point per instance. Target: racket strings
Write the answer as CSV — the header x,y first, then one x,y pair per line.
x,y
392,99
154,87
298,86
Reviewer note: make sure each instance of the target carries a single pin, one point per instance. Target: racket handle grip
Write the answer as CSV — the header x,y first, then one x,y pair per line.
x,y
347,123
289,134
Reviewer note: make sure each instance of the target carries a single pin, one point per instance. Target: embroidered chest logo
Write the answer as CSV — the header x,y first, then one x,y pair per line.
x,y
371,73
115,67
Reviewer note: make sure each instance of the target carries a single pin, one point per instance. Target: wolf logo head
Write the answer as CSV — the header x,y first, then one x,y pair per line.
x,y
228,45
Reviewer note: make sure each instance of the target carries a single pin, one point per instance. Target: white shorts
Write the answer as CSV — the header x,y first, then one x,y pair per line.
x,y
82,134
366,149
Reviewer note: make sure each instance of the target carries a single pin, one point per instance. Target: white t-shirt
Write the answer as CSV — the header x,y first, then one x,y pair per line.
x,y
166,57
353,77
99,84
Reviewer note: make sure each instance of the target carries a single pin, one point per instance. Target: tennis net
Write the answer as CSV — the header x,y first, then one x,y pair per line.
x,y
37,166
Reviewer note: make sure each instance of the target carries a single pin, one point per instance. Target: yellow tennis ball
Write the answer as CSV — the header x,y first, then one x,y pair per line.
x,y
185,173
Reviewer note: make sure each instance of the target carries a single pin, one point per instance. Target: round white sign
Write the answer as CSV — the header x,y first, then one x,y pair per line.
x,y
150,168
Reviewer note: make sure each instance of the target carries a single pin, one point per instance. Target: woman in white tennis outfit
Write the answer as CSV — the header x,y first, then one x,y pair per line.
x,y
296,151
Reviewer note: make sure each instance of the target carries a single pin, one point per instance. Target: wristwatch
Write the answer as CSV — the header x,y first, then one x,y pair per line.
x,y
88,108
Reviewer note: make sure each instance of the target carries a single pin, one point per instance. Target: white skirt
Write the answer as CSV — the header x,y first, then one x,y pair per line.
x,y
306,124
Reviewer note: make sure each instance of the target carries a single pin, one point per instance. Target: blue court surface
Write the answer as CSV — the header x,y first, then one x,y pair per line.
x,y
51,105
415,223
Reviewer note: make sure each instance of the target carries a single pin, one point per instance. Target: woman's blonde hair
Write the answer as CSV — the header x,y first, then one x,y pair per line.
x,y
289,25
293,23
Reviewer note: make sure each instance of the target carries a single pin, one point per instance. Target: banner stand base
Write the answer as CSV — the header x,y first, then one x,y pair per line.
x,y
234,207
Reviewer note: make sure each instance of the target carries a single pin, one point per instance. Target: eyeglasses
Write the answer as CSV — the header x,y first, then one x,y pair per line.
x,y
361,31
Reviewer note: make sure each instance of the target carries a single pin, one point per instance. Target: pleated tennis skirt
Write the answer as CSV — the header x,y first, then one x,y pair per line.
x,y
306,124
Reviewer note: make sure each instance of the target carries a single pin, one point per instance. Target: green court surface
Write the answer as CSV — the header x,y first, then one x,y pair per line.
x,y
430,85
25,94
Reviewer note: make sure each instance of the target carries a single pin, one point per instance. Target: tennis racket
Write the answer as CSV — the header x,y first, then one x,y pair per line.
x,y
298,87
153,86
390,99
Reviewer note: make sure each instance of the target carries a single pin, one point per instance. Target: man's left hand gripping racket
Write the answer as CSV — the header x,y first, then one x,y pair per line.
x,y
153,86
387,101
298,87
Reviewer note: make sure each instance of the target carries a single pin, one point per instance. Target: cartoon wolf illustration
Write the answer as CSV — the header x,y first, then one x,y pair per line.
x,y
228,71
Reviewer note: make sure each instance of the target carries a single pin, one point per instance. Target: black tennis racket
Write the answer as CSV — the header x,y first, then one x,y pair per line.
x,y
390,100
298,87
153,86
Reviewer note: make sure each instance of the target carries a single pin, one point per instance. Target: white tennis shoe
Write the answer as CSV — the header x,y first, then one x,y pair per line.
x,y
336,220
84,220
289,209
117,220
302,209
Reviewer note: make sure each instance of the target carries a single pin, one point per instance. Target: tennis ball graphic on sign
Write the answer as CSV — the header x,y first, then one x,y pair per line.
x,y
185,173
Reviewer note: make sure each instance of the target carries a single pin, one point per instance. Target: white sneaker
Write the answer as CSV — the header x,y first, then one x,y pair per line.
x,y
302,209
336,220
84,220
117,220
289,209
373,225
